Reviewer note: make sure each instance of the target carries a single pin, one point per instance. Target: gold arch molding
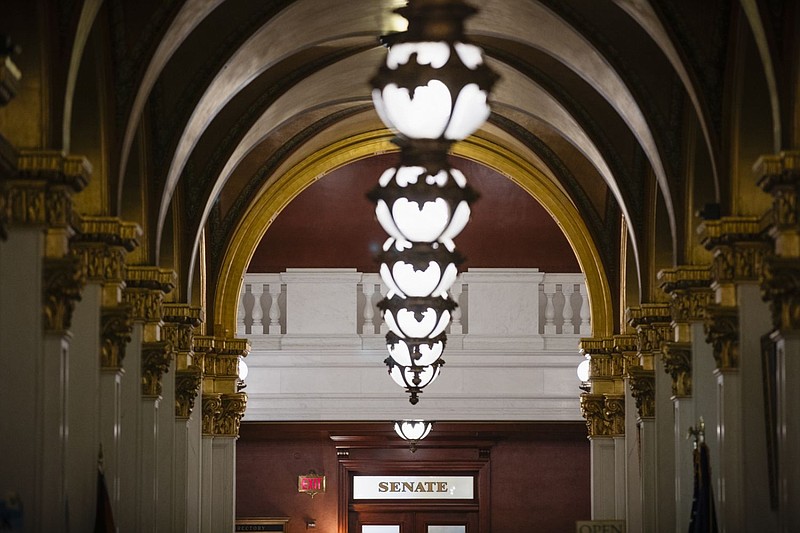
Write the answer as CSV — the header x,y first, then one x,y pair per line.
x,y
274,199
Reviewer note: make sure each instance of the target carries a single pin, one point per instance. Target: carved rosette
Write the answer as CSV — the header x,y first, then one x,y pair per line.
x,y
230,416
677,359
63,282
115,334
604,414
156,358
212,408
722,332
643,389
187,385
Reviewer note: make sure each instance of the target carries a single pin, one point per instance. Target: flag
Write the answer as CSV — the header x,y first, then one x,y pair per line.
x,y
104,516
704,518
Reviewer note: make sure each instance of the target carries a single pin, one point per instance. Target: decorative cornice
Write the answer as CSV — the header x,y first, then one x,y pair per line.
x,y
231,413
738,245
722,332
653,327
677,359
145,289
212,408
156,358
111,231
183,314
643,389
187,385
149,277
115,333
63,281
690,290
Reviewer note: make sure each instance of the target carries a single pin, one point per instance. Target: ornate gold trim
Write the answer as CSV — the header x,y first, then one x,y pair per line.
x,y
604,414
230,416
781,288
281,191
187,385
115,334
722,332
63,281
677,359
212,408
643,389
156,359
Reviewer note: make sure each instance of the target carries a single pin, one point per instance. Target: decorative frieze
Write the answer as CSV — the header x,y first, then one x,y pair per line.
x,y
115,334
677,359
643,389
63,281
722,332
156,358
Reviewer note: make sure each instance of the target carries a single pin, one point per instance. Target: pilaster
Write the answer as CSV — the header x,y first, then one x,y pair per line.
x,y
779,176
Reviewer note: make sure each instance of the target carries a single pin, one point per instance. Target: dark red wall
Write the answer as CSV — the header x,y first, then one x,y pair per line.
x,y
540,473
332,225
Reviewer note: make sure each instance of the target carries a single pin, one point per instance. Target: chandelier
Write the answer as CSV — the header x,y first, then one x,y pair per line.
x,y
412,431
432,91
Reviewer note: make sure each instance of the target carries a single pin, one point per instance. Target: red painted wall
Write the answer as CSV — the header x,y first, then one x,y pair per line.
x,y
539,475
332,224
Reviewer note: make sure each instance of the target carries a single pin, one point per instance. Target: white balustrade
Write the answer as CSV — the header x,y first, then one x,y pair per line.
x,y
512,307
511,353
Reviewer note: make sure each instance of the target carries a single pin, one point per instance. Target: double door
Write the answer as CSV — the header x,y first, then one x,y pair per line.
x,y
414,522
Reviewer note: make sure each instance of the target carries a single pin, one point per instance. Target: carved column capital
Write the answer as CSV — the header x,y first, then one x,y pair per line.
x,y
779,176
628,348
102,244
231,413
187,385
115,334
145,290
156,358
212,407
781,288
605,365
62,285
652,323
689,288
643,390
722,332
604,414
677,359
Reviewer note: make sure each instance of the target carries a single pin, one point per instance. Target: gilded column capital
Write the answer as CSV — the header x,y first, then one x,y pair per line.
x,y
180,321
212,408
627,346
779,176
604,414
230,415
63,281
781,288
652,323
689,288
738,246
102,244
605,365
643,389
677,359
116,327
722,332
156,358
226,363
187,385
145,289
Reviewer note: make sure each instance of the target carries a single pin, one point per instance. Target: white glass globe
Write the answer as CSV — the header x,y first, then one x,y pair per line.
x,y
427,354
583,370
412,430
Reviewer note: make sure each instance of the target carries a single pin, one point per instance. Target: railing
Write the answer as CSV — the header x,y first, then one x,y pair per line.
x,y
508,304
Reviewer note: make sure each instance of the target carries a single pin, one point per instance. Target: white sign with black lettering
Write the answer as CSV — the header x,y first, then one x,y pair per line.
x,y
413,487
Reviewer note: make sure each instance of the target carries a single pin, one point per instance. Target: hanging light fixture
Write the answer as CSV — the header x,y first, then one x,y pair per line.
x,y
432,90
413,431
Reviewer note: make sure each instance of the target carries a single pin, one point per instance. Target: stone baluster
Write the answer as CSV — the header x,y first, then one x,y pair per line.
x,y
257,289
455,322
549,309
584,312
368,326
274,308
566,290
241,312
